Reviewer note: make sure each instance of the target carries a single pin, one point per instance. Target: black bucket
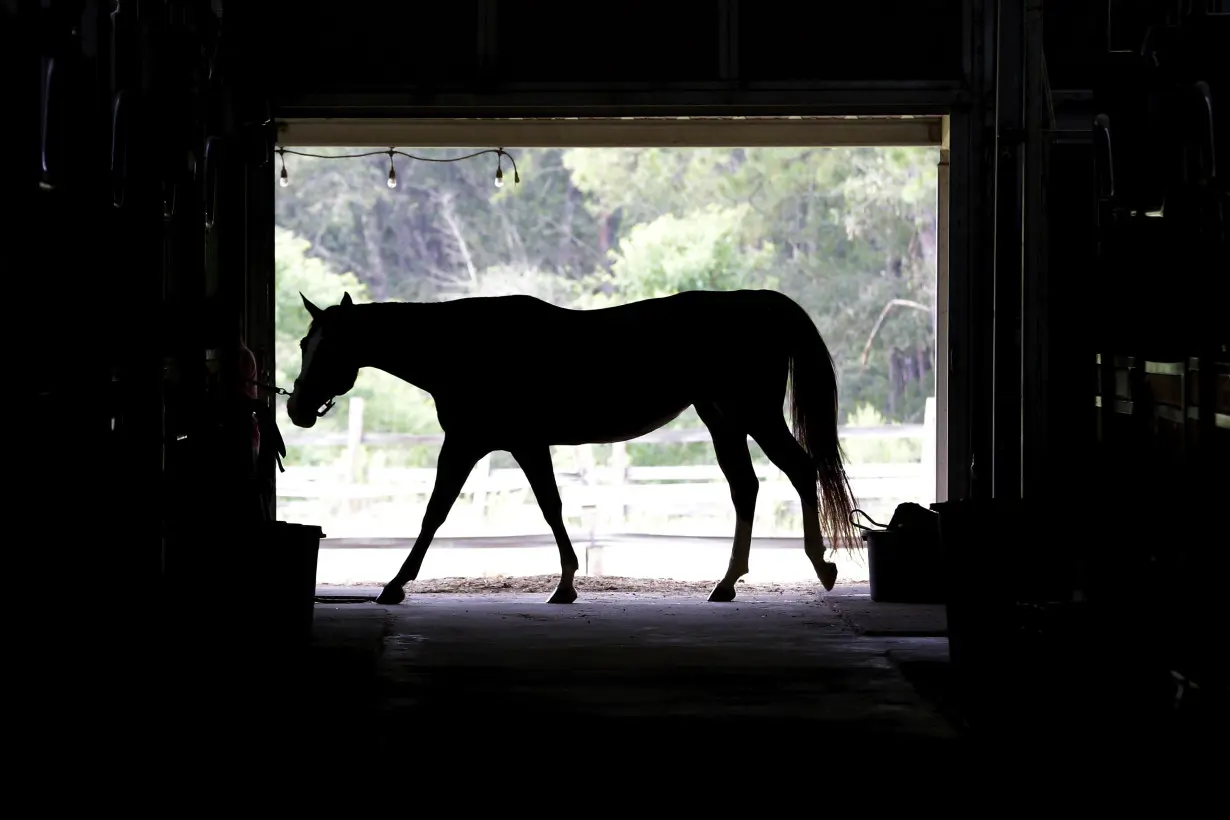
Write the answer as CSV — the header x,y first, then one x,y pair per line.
x,y
284,563
273,604
239,601
904,565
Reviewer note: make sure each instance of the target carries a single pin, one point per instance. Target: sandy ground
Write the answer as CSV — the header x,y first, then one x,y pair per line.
x,y
546,584
658,558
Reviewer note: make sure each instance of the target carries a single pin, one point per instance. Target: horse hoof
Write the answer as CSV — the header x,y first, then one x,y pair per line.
x,y
392,594
563,596
828,575
722,595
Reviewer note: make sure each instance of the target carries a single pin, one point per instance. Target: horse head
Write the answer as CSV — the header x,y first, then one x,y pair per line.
x,y
329,367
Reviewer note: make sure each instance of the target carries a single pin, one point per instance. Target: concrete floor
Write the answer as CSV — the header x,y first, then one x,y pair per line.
x,y
781,685
507,662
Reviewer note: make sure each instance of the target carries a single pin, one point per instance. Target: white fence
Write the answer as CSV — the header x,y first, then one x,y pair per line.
x,y
349,500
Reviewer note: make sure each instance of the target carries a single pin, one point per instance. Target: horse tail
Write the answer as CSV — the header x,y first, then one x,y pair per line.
x,y
813,412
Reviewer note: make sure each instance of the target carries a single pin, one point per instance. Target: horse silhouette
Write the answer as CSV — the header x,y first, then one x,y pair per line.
x,y
519,374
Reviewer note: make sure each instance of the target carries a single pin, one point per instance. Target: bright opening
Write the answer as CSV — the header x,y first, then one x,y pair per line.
x,y
849,233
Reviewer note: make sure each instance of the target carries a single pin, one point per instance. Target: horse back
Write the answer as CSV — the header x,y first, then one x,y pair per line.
x,y
680,339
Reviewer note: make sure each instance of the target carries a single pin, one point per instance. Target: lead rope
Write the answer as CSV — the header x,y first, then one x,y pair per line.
x,y
264,415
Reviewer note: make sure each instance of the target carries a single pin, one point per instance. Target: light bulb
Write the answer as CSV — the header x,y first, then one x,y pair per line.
x,y
499,177
283,180
392,181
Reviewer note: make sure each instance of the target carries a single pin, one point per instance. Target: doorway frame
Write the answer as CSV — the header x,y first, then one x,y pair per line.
x,y
954,261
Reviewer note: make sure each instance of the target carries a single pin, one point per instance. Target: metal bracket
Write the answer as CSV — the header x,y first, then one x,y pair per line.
x,y
47,183
119,148
1102,148
210,172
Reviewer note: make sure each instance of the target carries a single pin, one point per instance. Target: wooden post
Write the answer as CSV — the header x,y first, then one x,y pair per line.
x,y
481,478
929,453
593,560
617,513
354,441
586,463
354,448
941,320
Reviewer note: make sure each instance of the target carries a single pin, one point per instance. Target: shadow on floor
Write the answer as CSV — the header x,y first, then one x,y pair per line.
x,y
763,664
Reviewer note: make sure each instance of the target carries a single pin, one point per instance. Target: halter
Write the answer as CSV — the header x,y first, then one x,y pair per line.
x,y
282,391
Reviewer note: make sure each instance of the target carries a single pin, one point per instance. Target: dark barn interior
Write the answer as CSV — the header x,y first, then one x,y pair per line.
x,y
1087,270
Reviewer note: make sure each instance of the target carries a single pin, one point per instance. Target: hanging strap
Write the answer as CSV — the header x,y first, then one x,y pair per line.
x,y
270,435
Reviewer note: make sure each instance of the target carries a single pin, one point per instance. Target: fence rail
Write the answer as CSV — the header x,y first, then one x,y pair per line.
x,y
687,436
603,494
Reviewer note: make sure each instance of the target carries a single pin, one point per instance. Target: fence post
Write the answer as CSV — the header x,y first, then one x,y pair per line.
x,y
354,448
929,448
586,463
616,514
591,509
480,478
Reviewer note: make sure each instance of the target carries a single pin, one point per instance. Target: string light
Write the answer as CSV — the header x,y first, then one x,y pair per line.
x,y
500,155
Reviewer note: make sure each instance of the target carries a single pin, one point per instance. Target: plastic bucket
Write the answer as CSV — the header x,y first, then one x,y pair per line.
x,y
285,562
904,566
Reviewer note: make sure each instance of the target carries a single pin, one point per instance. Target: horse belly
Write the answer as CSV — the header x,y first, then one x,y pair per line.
x,y
606,428
598,416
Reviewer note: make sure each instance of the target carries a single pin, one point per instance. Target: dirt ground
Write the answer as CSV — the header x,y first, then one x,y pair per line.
x,y
642,586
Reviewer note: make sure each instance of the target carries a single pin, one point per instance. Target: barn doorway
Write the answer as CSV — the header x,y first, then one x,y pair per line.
x,y
846,215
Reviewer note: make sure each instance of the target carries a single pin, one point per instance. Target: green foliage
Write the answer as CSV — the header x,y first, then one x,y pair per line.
x,y
877,450
643,183
391,404
699,251
443,224
844,231
850,230
296,272
655,455
508,280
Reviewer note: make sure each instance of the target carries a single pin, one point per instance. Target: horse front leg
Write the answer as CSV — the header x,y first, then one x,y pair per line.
x,y
535,462
453,467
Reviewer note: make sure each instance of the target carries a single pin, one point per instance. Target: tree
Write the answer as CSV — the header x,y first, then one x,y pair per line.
x,y
444,223
844,231
698,251
852,231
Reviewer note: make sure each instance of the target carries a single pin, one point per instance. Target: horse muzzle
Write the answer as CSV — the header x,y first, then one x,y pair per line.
x,y
298,415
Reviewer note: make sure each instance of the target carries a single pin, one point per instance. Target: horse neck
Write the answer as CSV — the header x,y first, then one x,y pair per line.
x,y
393,337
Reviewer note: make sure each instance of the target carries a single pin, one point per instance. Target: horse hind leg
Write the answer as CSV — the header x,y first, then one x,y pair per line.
x,y
779,444
536,464
730,445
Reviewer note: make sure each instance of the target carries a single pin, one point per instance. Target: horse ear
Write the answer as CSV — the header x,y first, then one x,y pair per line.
x,y
346,302
311,309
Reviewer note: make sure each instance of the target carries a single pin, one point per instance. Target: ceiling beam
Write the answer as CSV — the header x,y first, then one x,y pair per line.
x,y
629,132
